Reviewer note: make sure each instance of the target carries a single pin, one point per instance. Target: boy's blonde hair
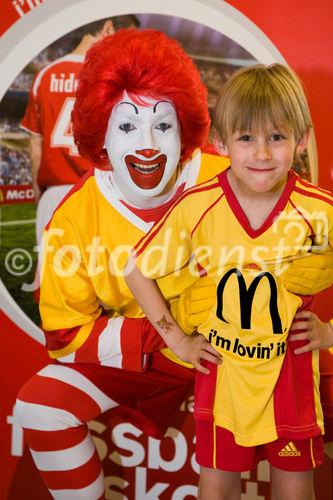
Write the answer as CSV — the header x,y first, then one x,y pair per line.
x,y
258,96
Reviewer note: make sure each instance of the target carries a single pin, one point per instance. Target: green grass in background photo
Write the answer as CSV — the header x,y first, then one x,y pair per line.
x,y
17,231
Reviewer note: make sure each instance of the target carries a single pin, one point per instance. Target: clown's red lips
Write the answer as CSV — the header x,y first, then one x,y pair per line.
x,y
146,174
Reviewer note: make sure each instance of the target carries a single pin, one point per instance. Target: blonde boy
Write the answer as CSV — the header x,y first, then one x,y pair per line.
x,y
242,226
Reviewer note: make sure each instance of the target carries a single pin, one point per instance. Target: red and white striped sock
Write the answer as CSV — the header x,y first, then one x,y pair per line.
x,y
54,407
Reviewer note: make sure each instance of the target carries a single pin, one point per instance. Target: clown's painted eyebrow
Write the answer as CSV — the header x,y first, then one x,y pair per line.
x,y
131,104
159,102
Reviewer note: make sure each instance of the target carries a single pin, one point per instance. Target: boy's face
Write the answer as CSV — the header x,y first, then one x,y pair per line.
x,y
143,145
260,161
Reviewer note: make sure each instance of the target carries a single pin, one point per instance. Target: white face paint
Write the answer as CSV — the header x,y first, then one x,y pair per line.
x,y
143,145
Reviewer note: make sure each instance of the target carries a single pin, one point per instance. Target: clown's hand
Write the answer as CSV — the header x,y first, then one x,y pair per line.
x,y
195,304
309,275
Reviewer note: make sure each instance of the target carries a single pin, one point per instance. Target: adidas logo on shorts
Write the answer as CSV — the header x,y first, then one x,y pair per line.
x,y
290,451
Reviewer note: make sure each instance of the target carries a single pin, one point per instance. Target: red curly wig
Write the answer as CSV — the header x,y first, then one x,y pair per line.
x,y
144,63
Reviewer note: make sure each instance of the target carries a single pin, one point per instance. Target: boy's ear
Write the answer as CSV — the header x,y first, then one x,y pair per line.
x,y
220,147
303,142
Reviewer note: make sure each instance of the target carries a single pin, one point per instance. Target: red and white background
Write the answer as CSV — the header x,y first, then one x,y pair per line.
x,y
296,33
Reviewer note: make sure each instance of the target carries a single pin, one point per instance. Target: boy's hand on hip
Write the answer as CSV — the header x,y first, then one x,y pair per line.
x,y
192,349
318,333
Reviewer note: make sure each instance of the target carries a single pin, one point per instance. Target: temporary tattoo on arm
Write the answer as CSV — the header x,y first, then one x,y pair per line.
x,y
164,324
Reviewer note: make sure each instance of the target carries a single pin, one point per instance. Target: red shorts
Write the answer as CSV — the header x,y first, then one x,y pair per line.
x,y
216,448
326,391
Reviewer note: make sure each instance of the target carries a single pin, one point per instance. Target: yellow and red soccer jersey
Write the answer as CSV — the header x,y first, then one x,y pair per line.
x,y
48,114
249,393
86,246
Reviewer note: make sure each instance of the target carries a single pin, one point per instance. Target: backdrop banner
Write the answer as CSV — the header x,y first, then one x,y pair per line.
x,y
220,36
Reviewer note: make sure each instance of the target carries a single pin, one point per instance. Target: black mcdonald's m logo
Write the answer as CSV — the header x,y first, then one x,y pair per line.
x,y
246,296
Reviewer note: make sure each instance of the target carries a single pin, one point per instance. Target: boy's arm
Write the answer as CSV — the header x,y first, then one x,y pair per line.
x,y
190,349
318,333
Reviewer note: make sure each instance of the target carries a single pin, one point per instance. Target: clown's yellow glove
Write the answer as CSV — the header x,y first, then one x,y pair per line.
x,y
309,275
195,304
